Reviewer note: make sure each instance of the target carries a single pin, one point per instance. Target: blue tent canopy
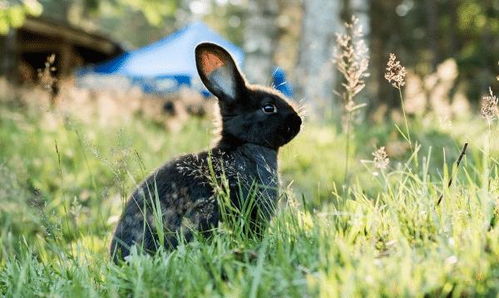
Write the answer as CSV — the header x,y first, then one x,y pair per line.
x,y
166,65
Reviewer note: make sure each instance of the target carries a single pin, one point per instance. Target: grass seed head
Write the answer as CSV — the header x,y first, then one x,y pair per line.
x,y
489,107
380,159
352,59
395,72
46,75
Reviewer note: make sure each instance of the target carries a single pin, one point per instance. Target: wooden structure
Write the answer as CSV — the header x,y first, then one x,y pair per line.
x,y
24,50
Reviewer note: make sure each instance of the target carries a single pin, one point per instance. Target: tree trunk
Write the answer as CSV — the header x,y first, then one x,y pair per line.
x,y
9,56
385,27
360,8
454,46
432,31
260,38
320,22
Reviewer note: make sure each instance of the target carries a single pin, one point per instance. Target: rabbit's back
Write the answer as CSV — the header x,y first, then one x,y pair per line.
x,y
160,204
179,197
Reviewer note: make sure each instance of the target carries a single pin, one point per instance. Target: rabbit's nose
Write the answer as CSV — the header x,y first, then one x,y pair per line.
x,y
294,120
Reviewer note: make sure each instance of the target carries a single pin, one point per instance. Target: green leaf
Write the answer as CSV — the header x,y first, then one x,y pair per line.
x,y
33,8
16,16
4,24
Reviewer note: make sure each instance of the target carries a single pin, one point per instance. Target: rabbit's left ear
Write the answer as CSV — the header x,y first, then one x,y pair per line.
x,y
219,72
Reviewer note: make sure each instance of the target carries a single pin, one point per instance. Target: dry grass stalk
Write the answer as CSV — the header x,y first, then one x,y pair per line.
x,y
395,75
352,60
458,162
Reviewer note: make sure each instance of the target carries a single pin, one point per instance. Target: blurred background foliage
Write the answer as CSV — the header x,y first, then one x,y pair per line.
x,y
13,13
422,33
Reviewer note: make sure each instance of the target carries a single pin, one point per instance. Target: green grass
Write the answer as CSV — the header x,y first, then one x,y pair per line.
x,y
64,182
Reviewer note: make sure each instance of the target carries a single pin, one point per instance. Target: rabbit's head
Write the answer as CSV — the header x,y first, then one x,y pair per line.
x,y
250,113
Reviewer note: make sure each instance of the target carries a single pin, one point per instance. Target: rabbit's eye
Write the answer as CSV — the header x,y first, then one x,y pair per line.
x,y
269,109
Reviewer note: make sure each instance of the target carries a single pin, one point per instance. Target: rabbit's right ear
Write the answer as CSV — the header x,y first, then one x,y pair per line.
x,y
219,72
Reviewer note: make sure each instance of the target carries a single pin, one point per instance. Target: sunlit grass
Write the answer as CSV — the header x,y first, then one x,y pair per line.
x,y
64,182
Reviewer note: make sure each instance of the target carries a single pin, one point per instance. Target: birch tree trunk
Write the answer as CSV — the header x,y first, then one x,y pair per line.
x,y
360,8
260,40
316,73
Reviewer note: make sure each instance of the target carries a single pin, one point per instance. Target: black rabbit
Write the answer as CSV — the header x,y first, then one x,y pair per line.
x,y
256,121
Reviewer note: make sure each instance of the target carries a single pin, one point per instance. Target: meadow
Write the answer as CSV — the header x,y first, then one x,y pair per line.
x,y
381,232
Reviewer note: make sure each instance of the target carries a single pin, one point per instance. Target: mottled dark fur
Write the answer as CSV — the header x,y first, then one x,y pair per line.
x,y
256,121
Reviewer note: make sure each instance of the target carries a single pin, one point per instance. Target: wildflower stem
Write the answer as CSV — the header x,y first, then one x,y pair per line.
x,y
486,156
347,147
405,118
489,112
386,186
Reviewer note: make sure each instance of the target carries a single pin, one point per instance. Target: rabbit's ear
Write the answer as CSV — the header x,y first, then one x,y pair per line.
x,y
219,72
